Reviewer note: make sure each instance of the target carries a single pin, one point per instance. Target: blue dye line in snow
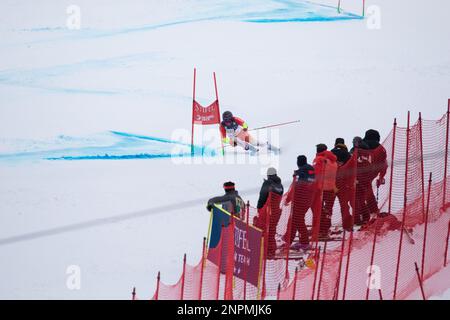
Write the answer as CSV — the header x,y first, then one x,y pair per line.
x,y
125,157
123,146
284,11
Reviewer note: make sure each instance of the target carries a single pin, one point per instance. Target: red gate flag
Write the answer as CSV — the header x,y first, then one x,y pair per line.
x,y
206,115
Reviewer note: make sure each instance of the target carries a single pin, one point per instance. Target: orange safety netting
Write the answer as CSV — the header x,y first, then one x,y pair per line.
x,y
406,241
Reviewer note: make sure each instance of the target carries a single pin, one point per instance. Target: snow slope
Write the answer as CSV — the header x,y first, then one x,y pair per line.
x,y
129,69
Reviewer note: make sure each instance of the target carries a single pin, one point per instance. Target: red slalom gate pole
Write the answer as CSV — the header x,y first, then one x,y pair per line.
x,y
420,281
158,279
348,265
219,263
446,156
316,263
338,280
321,269
446,245
202,268
133,294
247,226
392,164
218,108
372,257
295,283
183,277
193,106
405,203
426,226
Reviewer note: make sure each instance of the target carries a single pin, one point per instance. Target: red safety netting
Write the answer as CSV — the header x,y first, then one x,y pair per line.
x,y
405,242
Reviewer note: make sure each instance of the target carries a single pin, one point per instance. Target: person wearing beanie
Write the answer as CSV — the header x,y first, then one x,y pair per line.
x,y
340,150
269,206
358,142
377,169
325,167
231,201
321,147
305,171
301,195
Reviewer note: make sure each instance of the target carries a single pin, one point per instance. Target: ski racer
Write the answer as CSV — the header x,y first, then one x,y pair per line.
x,y
234,131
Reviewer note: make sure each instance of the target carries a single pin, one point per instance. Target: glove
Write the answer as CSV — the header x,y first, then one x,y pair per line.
x,y
380,182
234,143
245,129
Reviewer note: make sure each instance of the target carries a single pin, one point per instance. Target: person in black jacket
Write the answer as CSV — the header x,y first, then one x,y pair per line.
x,y
271,184
302,196
340,150
231,201
271,189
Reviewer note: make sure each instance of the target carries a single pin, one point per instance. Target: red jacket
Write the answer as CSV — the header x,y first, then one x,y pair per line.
x,y
325,166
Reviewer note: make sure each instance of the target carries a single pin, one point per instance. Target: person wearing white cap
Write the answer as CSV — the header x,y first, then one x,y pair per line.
x,y
271,189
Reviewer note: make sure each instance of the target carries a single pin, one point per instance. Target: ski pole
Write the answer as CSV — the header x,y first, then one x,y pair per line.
x,y
274,125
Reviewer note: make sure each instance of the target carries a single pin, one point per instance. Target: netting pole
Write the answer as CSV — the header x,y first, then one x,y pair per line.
x,y
278,291
183,277
321,269
426,226
422,170
229,273
158,280
202,269
289,230
446,245
446,156
380,294
338,280
219,263
339,6
295,283
372,257
247,226
405,203
133,294
193,106
420,281
364,8
266,243
392,165
348,265
316,265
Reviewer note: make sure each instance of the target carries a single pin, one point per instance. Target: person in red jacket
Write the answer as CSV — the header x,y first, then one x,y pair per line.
x,y
378,167
325,167
301,195
345,181
234,131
